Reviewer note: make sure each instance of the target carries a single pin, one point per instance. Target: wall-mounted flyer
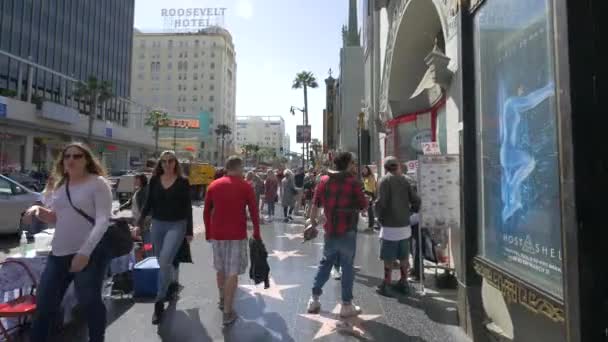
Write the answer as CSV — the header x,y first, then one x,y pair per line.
x,y
439,190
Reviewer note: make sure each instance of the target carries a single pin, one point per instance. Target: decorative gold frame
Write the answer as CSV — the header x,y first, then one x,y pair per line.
x,y
516,291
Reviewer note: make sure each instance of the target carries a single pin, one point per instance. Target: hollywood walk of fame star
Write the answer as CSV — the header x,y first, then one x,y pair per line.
x,y
274,291
291,236
332,323
282,255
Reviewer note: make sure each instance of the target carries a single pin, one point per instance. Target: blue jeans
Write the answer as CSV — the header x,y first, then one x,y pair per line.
x,y
88,284
344,249
167,237
270,205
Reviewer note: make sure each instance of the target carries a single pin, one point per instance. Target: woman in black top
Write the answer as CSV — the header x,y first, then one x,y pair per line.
x,y
170,206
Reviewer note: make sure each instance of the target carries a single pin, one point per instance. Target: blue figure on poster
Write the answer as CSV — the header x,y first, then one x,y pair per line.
x,y
516,162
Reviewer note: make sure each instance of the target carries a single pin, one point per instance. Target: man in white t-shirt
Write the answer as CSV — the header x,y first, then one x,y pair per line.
x,y
394,204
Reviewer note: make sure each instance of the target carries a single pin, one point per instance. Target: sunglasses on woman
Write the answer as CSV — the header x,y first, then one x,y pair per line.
x,y
167,161
75,156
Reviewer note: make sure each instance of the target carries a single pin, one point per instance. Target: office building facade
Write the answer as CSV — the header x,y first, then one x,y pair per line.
x,y
74,38
47,47
191,76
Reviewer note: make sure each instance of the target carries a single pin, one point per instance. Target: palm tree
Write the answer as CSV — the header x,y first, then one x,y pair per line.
x,y
248,149
305,80
157,119
94,93
223,130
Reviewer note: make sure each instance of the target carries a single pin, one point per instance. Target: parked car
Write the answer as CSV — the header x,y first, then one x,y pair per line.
x,y
26,180
15,198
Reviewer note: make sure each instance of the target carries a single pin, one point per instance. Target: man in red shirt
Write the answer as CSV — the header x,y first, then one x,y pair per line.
x,y
340,194
226,228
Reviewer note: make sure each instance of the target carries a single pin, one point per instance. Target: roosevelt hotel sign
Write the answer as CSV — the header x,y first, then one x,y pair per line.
x,y
192,19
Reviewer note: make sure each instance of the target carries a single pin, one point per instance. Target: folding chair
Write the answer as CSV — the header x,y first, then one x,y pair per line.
x,y
24,305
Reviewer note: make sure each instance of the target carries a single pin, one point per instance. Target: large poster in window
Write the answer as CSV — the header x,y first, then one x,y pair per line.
x,y
517,141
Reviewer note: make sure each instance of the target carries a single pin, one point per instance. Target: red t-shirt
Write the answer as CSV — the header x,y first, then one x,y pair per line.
x,y
224,213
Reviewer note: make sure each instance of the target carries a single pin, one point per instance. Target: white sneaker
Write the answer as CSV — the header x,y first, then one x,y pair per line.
x,y
337,275
314,305
349,310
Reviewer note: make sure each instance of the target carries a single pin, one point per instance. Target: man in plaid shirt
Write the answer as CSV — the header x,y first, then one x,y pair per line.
x,y
340,194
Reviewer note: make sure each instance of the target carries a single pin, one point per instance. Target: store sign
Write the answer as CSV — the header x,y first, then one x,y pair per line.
x,y
3,107
430,148
57,112
412,166
178,18
422,136
183,123
520,210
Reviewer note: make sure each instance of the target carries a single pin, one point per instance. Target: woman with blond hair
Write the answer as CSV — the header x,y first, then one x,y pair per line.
x,y
79,252
170,206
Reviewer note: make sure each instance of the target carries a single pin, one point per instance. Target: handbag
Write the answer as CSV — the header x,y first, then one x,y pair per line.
x,y
118,234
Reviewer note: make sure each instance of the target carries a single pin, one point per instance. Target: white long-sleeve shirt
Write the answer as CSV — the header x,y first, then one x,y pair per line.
x,y
74,233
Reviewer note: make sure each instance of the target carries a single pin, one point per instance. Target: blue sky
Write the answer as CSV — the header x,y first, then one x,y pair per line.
x,y
274,40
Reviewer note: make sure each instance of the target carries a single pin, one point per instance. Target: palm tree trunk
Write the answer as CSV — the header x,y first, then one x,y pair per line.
x,y
305,120
92,114
156,131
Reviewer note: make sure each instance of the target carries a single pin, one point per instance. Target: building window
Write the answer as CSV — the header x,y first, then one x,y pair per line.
x,y
195,77
169,66
211,98
181,55
195,65
170,43
141,76
212,77
211,109
142,55
196,55
195,88
212,87
212,66
169,77
185,65
195,98
213,55
181,44
196,42
142,43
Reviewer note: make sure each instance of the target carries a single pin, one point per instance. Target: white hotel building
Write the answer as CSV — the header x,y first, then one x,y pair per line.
x,y
263,131
191,76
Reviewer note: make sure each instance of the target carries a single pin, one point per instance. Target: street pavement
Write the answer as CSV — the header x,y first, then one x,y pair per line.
x,y
279,313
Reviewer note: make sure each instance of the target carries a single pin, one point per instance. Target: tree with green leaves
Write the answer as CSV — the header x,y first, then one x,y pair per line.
x,y
305,80
157,119
223,130
94,93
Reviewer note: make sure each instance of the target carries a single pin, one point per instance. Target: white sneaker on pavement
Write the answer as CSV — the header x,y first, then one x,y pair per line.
x,y
349,310
314,305
337,275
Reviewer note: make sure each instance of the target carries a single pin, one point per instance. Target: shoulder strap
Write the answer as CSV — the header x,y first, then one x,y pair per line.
x,y
78,210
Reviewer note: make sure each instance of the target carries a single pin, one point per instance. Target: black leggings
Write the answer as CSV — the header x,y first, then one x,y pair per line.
x,y
287,210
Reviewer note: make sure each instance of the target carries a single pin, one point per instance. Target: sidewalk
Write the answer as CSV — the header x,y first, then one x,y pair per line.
x,y
279,313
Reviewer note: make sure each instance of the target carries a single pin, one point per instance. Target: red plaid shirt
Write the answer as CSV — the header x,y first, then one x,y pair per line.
x,y
341,197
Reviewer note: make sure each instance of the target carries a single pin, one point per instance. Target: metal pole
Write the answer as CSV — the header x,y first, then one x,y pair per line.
x,y
175,138
421,256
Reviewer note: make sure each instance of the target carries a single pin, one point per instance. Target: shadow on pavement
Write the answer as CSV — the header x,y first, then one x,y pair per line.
x,y
182,326
256,324
377,331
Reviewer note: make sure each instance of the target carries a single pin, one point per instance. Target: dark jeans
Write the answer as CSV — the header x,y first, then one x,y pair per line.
x,y
88,285
341,248
370,211
270,205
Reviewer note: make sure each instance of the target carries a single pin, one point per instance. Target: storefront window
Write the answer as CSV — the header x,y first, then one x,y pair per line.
x,y
519,196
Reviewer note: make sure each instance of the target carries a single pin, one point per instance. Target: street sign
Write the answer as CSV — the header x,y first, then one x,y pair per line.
x,y
430,148
303,134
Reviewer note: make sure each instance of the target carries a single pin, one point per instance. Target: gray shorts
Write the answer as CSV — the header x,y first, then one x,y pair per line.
x,y
230,256
394,250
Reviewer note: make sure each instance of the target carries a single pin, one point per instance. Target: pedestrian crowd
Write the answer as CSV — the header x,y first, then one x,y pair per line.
x,y
335,198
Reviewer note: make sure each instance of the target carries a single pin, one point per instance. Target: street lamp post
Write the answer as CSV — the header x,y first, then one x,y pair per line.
x,y
360,126
305,121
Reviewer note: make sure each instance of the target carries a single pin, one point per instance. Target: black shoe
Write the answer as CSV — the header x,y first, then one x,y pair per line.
x,y
172,291
402,287
382,290
159,309
286,220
